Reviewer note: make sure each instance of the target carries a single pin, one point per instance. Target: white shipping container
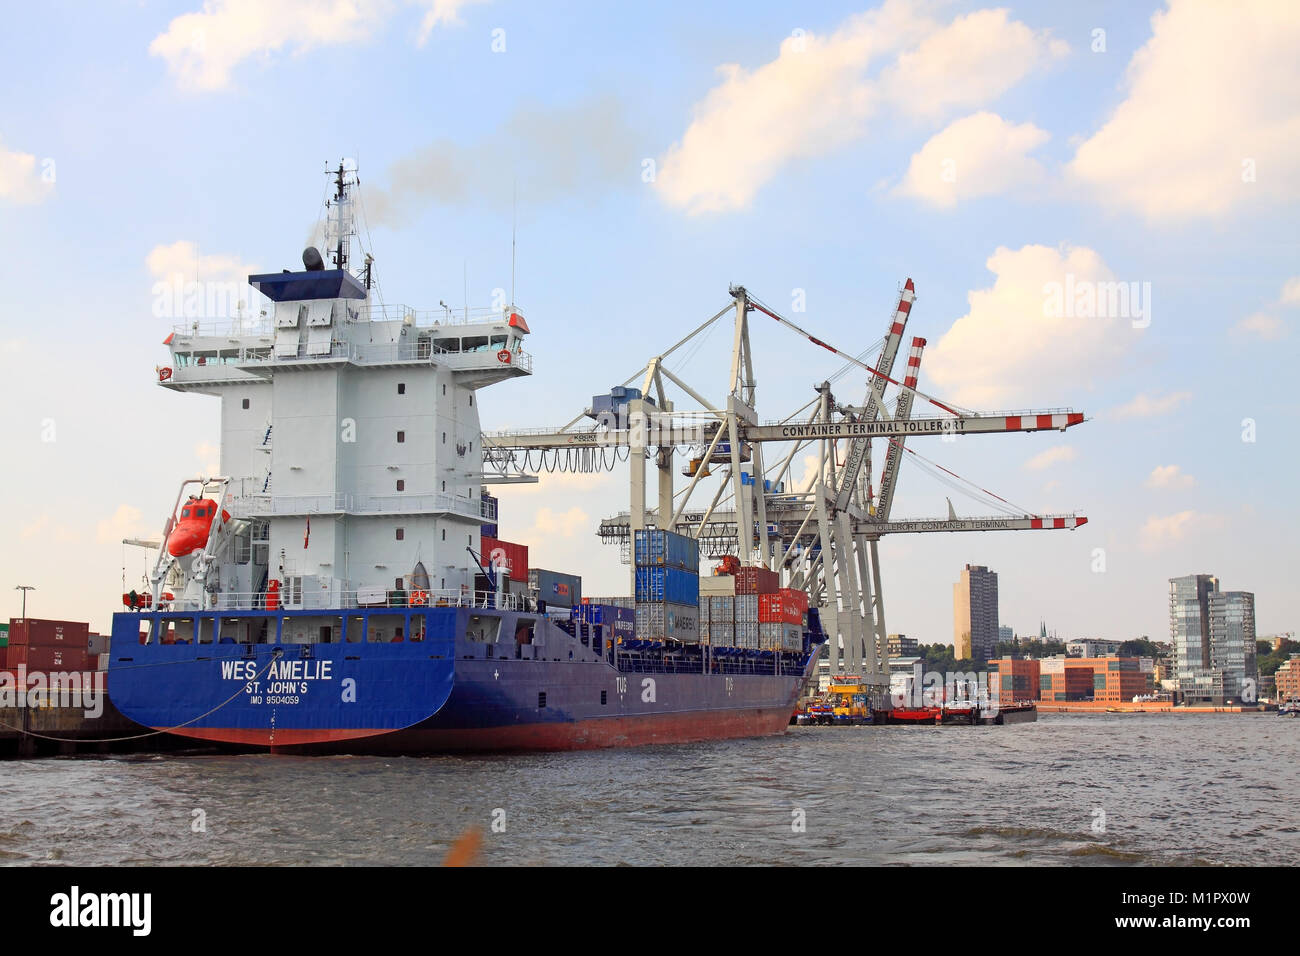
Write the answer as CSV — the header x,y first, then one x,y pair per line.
x,y
747,634
793,640
718,584
746,608
722,635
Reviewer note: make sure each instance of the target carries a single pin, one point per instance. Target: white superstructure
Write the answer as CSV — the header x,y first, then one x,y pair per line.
x,y
350,443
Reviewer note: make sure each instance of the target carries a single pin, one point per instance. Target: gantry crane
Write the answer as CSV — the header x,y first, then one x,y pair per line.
x,y
823,537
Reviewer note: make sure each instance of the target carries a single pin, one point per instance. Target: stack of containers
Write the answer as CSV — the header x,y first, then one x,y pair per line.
x,y
47,645
780,620
752,584
718,610
667,585
556,588
617,623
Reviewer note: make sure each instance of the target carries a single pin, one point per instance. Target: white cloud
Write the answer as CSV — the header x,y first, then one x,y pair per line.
x,y
1146,406
1051,457
978,155
35,526
208,457
203,48
181,261
1213,96
125,522
1262,325
442,13
566,524
1291,292
20,181
1013,347
1169,476
1160,531
972,61
817,95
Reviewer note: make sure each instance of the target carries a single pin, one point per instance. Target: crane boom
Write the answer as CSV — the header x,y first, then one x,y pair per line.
x,y
902,411
859,447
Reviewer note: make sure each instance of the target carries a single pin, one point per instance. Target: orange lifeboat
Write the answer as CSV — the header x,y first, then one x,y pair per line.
x,y
195,525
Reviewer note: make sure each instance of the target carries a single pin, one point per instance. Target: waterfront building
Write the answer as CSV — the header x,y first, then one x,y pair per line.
x,y
1287,679
975,613
1213,636
900,645
1092,648
1014,680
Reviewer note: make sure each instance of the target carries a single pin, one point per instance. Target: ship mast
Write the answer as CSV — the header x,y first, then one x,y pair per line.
x,y
340,223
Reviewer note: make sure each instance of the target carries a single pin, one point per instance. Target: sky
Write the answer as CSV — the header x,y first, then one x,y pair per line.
x,y
1011,160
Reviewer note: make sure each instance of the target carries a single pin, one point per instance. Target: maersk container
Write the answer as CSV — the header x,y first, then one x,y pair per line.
x,y
671,585
554,587
617,621
653,547
664,621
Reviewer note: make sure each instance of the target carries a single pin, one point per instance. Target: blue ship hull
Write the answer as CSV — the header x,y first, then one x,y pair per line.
x,y
545,686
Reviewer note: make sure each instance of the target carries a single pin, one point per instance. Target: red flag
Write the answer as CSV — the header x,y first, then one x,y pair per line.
x,y
307,534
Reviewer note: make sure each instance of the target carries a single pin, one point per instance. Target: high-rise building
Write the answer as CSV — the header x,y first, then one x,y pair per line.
x,y
1006,633
900,645
1213,636
975,613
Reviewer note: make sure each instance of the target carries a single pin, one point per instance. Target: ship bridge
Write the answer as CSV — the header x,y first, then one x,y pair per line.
x,y
481,346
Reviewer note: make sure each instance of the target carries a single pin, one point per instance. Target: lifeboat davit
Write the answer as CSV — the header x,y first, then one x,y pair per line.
x,y
195,525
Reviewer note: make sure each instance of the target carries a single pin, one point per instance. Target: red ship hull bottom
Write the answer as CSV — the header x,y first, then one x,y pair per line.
x,y
592,734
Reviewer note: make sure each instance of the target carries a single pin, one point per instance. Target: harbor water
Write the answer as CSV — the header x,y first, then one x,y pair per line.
x,y
1129,789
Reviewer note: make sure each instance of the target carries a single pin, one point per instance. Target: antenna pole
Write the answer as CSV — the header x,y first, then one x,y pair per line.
x,y
514,230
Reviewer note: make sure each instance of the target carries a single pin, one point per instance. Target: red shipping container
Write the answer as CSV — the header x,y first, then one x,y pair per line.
x,y
36,632
4,658
56,659
17,656
757,581
800,599
779,608
516,555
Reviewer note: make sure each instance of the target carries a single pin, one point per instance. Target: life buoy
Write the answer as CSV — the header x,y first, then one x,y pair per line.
x,y
164,374
504,356
419,598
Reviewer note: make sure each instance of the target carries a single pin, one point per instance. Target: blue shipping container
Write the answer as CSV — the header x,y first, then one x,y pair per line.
x,y
656,548
617,621
673,585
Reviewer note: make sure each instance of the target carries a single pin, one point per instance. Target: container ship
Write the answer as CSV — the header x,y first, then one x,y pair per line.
x,y
344,586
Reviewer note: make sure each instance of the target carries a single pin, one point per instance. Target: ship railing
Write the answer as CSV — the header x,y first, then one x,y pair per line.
x,y
258,505
408,350
434,318
366,599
